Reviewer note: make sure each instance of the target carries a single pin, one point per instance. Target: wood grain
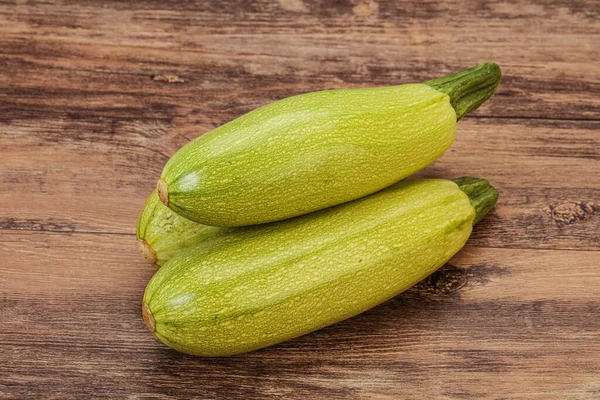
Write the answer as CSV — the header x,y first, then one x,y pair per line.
x,y
533,204
96,96
489,313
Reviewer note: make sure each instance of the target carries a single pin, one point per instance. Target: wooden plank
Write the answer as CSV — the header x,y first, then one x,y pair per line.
x,y
227,59
103,264
58,176
109,264
523,319
96,96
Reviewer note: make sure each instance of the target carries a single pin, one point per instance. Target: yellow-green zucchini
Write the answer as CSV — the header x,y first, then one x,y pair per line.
x,y
316,150
161,233
256,286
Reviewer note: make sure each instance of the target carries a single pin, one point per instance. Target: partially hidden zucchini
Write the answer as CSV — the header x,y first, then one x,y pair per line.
x,y
161,233
316,150
256,286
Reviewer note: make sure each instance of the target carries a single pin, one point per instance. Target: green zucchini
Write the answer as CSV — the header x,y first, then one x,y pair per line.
x,y
161,233
316,150
256,286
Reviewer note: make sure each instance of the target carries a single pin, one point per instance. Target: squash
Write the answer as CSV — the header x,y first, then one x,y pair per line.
x,y
257,286
316,150
161,233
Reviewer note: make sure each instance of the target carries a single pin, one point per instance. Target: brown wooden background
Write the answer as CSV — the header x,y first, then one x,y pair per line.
x,y
96,95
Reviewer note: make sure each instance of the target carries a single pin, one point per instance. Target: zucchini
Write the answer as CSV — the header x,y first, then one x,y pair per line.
x,y
256,286
161,233
316,150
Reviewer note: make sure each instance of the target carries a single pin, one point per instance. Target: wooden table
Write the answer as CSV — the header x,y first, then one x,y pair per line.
x,y
95,96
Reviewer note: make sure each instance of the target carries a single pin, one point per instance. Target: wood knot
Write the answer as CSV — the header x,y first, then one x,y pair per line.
x,y
571,212
445,281
449,280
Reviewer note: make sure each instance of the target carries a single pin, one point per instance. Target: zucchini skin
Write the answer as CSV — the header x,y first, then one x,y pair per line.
x,y
258,286
316,150
308,152
161,233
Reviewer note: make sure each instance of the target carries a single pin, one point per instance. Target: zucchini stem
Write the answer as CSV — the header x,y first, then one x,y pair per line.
x,y
469,88
481,194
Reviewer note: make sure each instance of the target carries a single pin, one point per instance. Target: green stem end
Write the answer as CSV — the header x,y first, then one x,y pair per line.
x,y
481,194
469,88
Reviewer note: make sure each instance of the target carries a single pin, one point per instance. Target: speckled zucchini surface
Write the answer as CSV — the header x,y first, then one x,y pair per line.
x,y
162,233
316,150
261,285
